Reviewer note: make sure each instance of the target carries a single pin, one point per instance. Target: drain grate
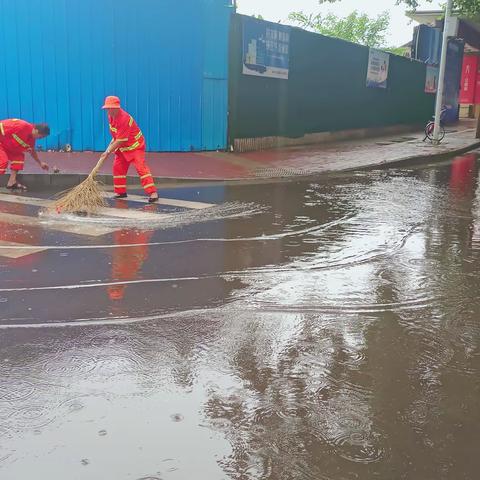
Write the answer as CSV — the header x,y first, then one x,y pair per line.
x,y
281,172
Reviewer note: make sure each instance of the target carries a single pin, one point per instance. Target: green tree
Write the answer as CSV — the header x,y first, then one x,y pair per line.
x,y
356,27
402,51
468,8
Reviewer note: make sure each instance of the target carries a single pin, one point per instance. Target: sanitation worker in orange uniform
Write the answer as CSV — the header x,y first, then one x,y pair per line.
x,y
16,138
128,144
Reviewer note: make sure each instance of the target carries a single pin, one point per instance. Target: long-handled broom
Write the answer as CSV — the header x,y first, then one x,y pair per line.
x,y
86,197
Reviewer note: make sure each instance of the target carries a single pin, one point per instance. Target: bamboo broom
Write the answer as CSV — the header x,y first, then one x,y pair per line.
x,y
86,197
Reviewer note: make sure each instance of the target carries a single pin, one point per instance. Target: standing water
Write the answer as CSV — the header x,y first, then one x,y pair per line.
x,y
322,331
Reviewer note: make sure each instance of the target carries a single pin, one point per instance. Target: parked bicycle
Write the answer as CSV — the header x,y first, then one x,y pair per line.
x,y
430,126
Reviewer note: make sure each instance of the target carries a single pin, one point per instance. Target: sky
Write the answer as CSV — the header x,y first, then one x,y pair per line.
x,y
400,31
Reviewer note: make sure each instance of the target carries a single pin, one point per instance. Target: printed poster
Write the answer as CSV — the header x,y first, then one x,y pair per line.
x,y
469,78
266,49
378,64
431,81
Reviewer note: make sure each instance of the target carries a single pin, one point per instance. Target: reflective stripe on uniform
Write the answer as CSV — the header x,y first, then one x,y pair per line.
x,y
120,176
17,162
145,176
113,129
149,185
138,136
130,148
130,122
20,141
122,139
1,128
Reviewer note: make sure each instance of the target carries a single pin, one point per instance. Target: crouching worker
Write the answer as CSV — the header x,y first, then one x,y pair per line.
x,y
128,144
16,138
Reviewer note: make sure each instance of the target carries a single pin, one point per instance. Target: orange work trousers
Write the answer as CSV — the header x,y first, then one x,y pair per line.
x,y
16,160
120,169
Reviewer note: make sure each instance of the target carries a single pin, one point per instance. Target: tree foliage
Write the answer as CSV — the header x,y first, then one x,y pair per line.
x,y
467,8
401,51
356,27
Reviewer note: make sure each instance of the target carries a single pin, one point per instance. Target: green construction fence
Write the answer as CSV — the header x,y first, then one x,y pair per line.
x,y
325,92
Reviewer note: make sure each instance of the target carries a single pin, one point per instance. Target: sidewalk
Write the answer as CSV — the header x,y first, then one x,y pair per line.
x,y
283,163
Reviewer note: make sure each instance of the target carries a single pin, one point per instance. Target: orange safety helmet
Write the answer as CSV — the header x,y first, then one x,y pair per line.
x,y
111,102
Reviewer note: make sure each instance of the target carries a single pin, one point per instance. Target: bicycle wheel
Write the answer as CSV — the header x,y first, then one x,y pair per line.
x,y
429,130
441,135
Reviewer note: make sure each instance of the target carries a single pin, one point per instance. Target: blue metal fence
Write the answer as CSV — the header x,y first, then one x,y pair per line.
x,y
166,59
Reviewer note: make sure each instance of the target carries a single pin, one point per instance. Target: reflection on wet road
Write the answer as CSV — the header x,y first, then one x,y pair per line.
x,y
323,330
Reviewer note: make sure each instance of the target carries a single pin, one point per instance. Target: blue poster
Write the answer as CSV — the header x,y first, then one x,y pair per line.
x,y
266,49
431,81
377,72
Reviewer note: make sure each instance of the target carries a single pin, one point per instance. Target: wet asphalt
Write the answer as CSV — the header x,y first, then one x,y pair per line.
x,y
324,329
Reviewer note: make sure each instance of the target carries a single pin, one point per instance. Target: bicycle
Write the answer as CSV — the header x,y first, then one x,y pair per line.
x,y
430,126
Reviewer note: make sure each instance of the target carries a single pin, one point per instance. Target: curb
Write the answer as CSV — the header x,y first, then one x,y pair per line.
x,y
414,159
68,180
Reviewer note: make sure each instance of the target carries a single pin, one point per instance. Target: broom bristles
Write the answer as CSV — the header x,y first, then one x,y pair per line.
x,y
85,197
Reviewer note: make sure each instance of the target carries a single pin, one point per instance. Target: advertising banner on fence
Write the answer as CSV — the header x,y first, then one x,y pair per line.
x,y
377,73
266,49
469,79
431,81
477,89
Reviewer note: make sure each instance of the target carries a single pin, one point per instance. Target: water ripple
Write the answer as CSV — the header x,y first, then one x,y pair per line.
x,y
359,447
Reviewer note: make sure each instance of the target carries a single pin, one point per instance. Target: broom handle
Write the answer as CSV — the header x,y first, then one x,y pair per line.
x,y
97,167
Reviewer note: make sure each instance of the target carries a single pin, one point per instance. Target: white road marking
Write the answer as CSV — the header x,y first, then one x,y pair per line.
x,y
169,201
104,284
111,212
17,250
108,212
79,229
131,214
38,202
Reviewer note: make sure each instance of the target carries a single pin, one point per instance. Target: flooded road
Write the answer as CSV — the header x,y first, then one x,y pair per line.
x,y
322,330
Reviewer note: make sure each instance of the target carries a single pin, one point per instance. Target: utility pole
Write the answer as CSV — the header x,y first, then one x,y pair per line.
x,y
441,77
477,134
